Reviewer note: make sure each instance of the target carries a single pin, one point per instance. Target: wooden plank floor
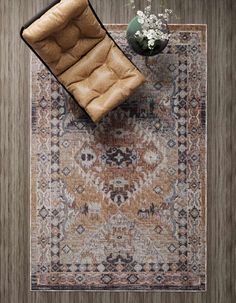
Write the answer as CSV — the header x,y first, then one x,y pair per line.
x,y
220,15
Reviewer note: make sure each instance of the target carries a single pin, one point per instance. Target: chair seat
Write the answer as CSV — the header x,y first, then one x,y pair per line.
x,y
77,49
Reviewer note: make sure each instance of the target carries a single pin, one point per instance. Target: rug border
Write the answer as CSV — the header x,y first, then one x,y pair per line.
x,y
189,27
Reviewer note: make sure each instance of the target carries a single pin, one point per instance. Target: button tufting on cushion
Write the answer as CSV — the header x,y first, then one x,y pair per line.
x,y
67,37
78,50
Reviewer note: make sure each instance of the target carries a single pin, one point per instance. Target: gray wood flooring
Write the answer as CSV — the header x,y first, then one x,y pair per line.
x,y
220,15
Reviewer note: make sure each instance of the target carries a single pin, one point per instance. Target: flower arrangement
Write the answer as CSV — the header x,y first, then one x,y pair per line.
x,y
153,27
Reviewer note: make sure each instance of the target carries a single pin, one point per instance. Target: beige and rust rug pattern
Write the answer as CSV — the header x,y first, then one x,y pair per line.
x,y
122,205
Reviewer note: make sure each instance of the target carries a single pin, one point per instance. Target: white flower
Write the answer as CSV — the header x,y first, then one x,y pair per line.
x,y
132,3
140,20
153,27
148,9
151,34
138,34
151,44
168,11
153,17
140,14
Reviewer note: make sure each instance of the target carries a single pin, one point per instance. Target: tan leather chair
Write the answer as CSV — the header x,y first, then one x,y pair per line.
x,y
69,38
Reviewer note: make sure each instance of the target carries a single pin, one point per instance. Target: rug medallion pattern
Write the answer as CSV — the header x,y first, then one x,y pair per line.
x,y
121,205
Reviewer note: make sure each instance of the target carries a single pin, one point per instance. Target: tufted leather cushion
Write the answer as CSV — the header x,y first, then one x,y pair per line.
x,y
79,52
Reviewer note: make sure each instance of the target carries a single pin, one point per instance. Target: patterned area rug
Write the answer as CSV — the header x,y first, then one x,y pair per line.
x,y
122,205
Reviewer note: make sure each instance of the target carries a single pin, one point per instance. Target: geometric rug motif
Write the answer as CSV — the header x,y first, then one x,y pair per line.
x,y
121,205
